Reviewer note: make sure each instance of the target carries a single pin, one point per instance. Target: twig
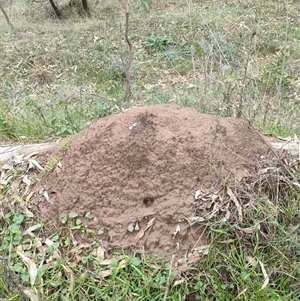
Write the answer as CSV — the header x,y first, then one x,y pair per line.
x,y
129,61
169,278
6,16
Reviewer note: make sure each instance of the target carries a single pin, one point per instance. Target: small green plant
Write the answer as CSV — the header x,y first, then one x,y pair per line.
x,y
64,144
13,232
6,129
73,221
216,60
52,163
142,5
154,43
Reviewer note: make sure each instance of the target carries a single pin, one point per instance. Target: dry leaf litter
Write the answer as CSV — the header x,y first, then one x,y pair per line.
x,y
150,178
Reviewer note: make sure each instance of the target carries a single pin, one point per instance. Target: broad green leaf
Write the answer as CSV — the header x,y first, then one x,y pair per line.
x,y
33,228
73,214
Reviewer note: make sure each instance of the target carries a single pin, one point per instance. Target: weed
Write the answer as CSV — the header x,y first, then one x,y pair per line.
x,y
154,43
224,52
52,163
222,59
64,144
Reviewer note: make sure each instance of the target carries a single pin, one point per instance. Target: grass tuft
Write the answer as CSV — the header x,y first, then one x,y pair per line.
x,y
57,76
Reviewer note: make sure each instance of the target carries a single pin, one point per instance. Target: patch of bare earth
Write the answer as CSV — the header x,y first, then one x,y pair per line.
x,y
137,174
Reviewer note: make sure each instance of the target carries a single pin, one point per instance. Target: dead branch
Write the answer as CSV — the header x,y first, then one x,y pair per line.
x,y
56,10
169,278
129,61
6,16
86,7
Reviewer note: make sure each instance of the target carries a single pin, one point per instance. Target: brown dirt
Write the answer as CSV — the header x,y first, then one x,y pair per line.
x,y
147,163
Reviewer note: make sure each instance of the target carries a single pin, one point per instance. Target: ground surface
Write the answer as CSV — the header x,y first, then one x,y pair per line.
x,y
58,77
137,172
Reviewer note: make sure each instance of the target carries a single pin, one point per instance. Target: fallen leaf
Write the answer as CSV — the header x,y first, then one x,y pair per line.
x,y
7,166
122,264
33,228
178,282
29,196
26,211
227,241
132,126
33,163
213,212
237,204
49,242
130,227
100,252
249,230
46,196
31,155
251,260
71,281
240,294
105,273
26,180
181,261
193,258
196,219
202,249
141,233
30,264
106,261
266,277
176,231
136,228
17,198
30,294
58,170
226,217
197,194
15,185
18,159
79,247
295,183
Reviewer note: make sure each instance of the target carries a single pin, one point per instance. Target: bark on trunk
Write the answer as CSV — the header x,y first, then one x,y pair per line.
x,y
86,7
56,10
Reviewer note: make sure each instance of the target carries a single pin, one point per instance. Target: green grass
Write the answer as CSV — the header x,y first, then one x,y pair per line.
x,y
257,259
221,59
59,76
226,271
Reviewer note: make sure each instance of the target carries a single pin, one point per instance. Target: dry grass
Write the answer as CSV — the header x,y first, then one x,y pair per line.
x,y
253,249
234,58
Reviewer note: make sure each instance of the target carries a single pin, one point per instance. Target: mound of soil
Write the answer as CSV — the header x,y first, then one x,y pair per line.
x,y
137,172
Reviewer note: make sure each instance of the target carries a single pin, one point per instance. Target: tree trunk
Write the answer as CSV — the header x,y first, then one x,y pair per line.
x,y
86,7
56,10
